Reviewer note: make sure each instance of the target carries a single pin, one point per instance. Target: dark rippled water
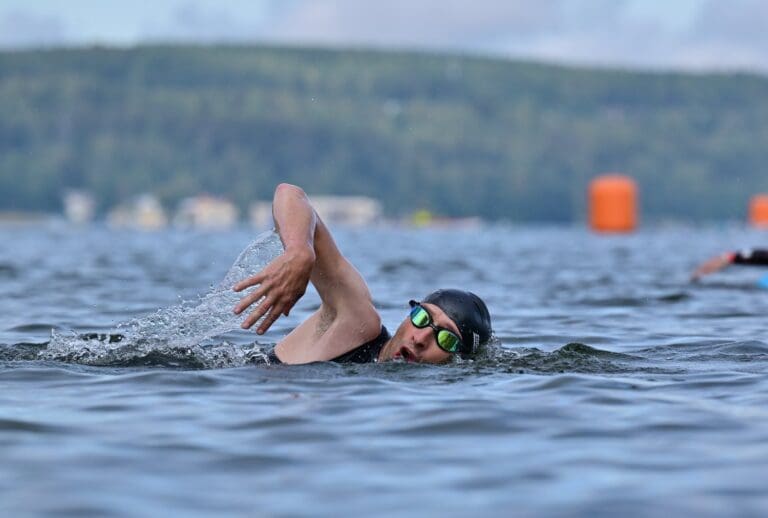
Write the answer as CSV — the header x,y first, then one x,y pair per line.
x,y
615,387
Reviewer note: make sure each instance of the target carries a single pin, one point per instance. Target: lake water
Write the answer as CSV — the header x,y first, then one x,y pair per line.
x,y
614,386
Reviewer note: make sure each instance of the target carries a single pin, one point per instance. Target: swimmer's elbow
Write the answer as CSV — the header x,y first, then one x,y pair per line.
x,y
289,189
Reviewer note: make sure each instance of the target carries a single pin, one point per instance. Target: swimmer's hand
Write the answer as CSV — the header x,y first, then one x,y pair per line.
x,y
712,265
281,283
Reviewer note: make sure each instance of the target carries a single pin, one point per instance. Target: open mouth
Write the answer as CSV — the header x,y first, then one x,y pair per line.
x,y
405,354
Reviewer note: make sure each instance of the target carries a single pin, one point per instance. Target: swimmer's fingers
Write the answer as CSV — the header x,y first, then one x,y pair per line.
x,y
697,275
280,305
251,298
257,313
268,321
267,309
250,281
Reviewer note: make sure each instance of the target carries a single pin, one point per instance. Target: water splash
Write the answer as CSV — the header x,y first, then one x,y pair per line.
x,y
173,334
191,323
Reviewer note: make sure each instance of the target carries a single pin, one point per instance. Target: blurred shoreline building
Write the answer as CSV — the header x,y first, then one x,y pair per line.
x,y
347,210
260,214
79,207
334,210
145,212
206,212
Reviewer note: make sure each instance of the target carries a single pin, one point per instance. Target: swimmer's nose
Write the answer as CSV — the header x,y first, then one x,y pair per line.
x,y
421,338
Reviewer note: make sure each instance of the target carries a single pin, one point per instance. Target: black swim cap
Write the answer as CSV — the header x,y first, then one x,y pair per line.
x,y
469,313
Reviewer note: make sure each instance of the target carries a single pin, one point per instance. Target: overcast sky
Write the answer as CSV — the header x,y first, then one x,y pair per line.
x,y
689,34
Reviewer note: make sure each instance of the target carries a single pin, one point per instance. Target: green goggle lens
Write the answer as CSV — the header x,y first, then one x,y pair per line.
x,y
419,317
446,340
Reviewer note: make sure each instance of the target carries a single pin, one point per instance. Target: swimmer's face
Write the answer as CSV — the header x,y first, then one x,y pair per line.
x,y
419,345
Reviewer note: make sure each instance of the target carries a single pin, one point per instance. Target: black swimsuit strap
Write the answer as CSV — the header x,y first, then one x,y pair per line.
x,y
366,353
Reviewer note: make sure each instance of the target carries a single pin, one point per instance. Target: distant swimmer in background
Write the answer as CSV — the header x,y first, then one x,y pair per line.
x,y
347,327
749,256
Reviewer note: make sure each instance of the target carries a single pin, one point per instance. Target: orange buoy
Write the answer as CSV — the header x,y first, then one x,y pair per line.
x,y
758,211
613,203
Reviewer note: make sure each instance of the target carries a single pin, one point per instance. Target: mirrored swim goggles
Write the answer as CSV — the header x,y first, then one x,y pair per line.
x,y
446,339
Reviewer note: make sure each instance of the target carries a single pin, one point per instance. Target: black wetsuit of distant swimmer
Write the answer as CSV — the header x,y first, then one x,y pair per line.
x,y
751,256
366,353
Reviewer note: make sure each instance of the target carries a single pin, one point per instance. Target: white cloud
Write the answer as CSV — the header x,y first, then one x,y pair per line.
x,y
728,35
630,33
20,28
724,34
424,23
194,22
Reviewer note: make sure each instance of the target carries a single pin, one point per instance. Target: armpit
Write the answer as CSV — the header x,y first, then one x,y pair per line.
x,y
324,322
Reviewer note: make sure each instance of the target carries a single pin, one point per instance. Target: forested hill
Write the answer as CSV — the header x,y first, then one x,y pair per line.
x,y
458,135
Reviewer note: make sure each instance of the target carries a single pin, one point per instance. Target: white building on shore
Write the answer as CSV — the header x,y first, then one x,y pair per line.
x,y
335,210
347,210
145,213
206,212
79,207
260,214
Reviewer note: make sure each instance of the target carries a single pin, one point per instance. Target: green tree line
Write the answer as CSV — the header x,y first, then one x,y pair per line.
x,y
458,135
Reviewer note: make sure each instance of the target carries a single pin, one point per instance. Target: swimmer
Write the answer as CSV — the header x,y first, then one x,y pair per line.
x,y
347,327
750,256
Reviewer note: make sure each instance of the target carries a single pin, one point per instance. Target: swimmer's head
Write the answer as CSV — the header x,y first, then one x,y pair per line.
x,y
469,313
443,324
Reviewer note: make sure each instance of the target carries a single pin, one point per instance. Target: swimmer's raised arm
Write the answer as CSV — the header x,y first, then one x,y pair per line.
x,y
754,257
284,280
712,265
310,255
